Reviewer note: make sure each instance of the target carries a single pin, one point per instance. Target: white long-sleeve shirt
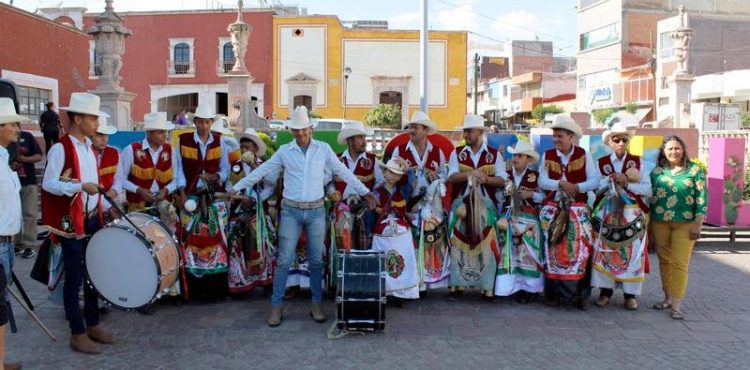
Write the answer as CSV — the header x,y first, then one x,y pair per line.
x,y
642,188
126,164
10,197
592,175
86,165
223,162
352,165
266,189
303,171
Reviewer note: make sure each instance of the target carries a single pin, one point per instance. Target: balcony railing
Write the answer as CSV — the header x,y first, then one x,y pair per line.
x,y
181,67
224,66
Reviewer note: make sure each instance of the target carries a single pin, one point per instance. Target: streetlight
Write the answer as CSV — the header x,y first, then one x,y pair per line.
x,y
347,73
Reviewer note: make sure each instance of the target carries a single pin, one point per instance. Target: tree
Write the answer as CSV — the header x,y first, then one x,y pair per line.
x,y
601,115
541,110
631,108
384,115
745,120
314,115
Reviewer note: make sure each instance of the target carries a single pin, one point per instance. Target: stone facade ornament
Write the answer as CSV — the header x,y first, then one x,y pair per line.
x,y
240,32
682,35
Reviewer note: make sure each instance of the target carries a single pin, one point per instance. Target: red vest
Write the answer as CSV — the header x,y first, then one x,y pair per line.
x,y
387,203
530,181
432,162
466,164
64,215
575,171
631,161
193,162
236,170
108,167
364,170
143,172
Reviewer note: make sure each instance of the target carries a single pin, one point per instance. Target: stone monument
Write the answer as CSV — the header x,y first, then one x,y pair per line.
x,y
109,35
681,81
241,110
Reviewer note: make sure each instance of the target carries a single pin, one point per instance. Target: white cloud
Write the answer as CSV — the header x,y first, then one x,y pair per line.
x,y
462,17
517,25
405,21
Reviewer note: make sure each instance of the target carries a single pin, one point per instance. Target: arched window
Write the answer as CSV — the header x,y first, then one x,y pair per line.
x,y
228,56
181,58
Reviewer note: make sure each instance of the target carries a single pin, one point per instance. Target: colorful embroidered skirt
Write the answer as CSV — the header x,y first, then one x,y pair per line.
x,y
521,264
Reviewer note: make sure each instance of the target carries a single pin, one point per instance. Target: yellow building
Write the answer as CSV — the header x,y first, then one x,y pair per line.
x,y
311,52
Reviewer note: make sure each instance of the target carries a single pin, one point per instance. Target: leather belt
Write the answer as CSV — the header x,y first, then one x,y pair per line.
x,y
6,239
303,205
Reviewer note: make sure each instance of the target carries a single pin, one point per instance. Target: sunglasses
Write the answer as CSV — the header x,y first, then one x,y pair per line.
x,y
618,140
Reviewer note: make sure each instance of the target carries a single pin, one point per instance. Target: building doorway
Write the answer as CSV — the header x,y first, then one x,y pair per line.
x,y
222,103
175,104
305,100
392,97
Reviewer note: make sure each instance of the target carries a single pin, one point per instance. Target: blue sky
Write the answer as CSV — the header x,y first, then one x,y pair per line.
x,y
492,23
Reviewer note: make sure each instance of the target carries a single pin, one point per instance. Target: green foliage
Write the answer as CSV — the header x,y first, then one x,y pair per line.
x,y
541,110
522,136
631,108
745,120
384,115
314,115
746,191
732,196
271,145
601,115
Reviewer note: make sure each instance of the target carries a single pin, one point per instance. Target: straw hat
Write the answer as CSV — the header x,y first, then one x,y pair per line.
x,y
253,136
299,119
525,147
204,111
156,121
351,128
83,103
423,119
617,129
104,127
8,112
563,121
394,166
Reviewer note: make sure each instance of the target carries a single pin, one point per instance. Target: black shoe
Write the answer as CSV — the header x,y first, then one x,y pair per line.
x,y
28,253
17,251
148,310
583,304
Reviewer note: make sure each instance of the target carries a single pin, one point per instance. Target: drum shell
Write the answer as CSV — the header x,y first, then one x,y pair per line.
x,y
360,291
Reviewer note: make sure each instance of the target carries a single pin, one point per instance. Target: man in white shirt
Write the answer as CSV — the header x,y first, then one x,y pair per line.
x,y
146,172
71,208
567,172
10,218
304,161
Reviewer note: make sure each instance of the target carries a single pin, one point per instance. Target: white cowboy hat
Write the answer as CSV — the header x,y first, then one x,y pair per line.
x,y
423,119
524,147
474,121
349,129
617,129
83,103
394,166
563,121
299,119
221,126
156,121
253,136
104,127
203,111
8,112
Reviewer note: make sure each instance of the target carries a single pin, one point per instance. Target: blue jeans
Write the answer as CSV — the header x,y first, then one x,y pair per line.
x,y
73,254
291,224
7,255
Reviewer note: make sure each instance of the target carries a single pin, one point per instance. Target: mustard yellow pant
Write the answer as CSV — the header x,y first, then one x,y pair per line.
x,y
673,247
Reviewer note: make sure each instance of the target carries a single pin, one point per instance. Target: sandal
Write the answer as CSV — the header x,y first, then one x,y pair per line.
x,y
661,306
677,315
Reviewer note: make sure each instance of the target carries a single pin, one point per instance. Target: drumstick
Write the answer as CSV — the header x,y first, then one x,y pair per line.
x,y
31,313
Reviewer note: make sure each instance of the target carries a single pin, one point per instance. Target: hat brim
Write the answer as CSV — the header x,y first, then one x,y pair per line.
x,y
485,128
166,126
534,156
572,127
81,111
608,134
347,133
108,130
394,170
255,139
298,125
430,124
13,118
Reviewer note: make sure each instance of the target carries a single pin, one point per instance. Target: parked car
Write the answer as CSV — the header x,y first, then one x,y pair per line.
x,y
276,124
330,124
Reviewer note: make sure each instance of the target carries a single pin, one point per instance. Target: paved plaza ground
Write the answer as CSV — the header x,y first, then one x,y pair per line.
x,y
429,334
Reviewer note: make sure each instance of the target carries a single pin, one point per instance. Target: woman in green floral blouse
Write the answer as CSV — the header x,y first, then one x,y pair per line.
x,y
678,206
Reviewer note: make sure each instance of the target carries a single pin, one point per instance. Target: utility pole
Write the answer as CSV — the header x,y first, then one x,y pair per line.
x,y
476,81
423,39
652,64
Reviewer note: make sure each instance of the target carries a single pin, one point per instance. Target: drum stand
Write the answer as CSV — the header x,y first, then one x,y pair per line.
x,y
26,304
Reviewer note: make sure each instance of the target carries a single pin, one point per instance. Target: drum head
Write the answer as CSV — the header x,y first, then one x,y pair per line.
x,y
121,268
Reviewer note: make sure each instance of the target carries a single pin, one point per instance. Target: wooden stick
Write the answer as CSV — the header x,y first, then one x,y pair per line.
x,y
31,313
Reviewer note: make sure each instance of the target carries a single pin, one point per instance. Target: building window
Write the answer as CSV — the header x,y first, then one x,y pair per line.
x,y
95,61
638,89
666,45
600,37
531,90
181,63
32,100
505,91
228,56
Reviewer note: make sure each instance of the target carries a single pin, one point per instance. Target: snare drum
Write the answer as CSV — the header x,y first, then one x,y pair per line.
x,y
130,269
360,290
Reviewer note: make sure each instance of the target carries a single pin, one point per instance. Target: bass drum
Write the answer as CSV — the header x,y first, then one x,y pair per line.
x,y
360,290
130,268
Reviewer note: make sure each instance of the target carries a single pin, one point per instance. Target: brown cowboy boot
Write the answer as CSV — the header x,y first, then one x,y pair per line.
x,y
317,314
274,319
98,334
82,343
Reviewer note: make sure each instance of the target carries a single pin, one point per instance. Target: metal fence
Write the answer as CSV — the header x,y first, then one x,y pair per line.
x,y
706,135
